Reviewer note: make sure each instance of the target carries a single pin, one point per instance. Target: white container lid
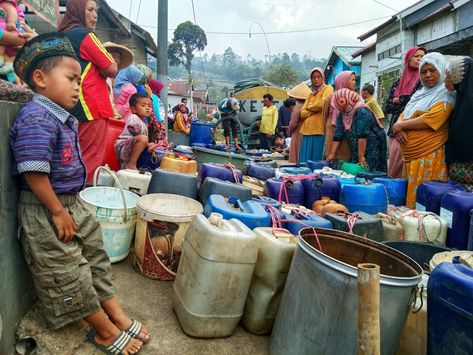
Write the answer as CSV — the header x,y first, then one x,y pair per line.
x,y
168,208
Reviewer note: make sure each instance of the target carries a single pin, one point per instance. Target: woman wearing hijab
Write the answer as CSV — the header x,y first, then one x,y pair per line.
x,y
399,95
299,92
459,147
344,80
182,121
313,126
124,87
422,129
94,108
158,109
365,134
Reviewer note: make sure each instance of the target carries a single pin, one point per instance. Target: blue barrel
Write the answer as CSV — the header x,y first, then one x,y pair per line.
x,y
250,213
170,182
346,181
201,132
294,170
323,185
396,189
449,315
220,172
294,189
470,236
318,164
213,186
301,220
266,201
455,209
260,171
429,194
370,198
370,175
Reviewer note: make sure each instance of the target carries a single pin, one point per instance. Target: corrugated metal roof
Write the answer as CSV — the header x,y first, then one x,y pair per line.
x,y
345,53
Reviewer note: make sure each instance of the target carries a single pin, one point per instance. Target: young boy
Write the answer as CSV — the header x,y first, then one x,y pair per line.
x,y
367,93
134,138
279,145
61,239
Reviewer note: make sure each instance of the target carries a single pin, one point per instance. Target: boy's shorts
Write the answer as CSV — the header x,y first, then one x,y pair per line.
x,y
230,125
71,280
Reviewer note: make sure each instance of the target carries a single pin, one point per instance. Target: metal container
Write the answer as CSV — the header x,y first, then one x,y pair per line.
x,y
318,312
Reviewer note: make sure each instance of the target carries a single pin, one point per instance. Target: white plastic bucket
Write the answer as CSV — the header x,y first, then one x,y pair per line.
x,y
115,209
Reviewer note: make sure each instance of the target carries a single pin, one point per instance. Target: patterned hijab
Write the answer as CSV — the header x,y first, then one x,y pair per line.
x,y
409,77
347,102
316,89
147,72
74,16
425,98
341,82
129,75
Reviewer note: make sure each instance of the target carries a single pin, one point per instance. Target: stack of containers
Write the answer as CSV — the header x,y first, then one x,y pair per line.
x,y
429,194
286,190
455,210
324,185
395,188
221,172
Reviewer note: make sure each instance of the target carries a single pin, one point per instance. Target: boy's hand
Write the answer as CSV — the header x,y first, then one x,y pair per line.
x,y
65,225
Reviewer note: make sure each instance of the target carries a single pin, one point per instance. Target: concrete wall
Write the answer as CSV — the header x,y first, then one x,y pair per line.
x,y
369,69
16,288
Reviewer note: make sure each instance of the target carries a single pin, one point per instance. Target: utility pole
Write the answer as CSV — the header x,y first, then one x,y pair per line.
x,y
162,68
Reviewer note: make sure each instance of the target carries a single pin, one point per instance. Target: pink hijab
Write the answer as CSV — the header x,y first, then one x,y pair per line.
x,y
409,77
341,82
351,102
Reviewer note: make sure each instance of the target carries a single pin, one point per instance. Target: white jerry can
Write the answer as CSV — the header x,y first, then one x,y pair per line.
x,y
134,180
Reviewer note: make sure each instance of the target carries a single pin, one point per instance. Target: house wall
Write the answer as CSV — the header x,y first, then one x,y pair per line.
x,y
340,66
369,68
440,27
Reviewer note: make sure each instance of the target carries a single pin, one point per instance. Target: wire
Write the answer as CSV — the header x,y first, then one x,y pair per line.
x,y
138,13
193,11
286,32
131,6
200,52
386,6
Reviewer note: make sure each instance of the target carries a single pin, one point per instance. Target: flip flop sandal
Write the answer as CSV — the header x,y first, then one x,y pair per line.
x,y
116,348
134,331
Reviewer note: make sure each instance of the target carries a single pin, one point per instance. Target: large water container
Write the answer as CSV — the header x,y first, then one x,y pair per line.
x,y
318,312
323,185
260,171
215,252
221,172
370,198
213,186
318,165
395,188
169,182
265,201
179,164
455,209
201,132
449,316
359,223
275,250
470,235
301,217
251,213
346,180
429,194
294,170
285,190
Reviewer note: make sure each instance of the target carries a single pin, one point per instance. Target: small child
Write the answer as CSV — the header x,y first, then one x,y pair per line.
x,y
12,19
367,93
134,138
279,145
61,238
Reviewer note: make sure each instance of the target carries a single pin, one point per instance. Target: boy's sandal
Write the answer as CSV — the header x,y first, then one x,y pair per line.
x,y
134,331
115,348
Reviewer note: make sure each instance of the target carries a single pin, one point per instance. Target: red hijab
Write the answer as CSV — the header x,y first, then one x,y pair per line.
x,y
156,86
409,77
74,16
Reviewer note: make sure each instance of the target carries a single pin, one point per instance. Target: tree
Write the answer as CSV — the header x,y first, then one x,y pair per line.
x,y
281,74
229,57
187,39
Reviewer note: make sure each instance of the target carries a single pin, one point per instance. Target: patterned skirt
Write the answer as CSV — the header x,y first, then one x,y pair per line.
x,y
462,173
432,166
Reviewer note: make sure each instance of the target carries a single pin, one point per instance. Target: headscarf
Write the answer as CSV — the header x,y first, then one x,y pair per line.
x,y
341,82
147,72
74,16
353,103
409,77
129,75
185,116
316,89
156,86
459,148
425,98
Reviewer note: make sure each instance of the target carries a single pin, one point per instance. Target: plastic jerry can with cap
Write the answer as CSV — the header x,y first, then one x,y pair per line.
x,y
213,186
179,164
170,182
294,170
136,181
275,250
365,196
266,201
250,213
221,172
214,274
429,194
322,185
285,190
395,188
455,209
392,229
421,226
318,164
298,217
261,171
358,223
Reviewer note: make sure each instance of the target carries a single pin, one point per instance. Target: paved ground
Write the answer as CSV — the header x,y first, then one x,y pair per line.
x,y
151,302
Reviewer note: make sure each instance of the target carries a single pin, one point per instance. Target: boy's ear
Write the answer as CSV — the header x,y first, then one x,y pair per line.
x,y
39,78
133,109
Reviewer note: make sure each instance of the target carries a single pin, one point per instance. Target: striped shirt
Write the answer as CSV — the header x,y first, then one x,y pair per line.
x,y
44,139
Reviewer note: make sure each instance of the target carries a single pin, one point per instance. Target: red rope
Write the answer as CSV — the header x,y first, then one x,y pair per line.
x,y
288,178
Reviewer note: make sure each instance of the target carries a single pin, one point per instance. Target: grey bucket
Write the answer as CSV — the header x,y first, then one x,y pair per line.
x,y
318,311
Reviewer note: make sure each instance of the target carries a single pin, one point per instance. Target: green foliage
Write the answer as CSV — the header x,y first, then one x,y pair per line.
x,y
385,82
281,74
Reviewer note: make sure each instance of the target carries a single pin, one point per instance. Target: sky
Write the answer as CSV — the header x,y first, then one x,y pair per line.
x,y
243,16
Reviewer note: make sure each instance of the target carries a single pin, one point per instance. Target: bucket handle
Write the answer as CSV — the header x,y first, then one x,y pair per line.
x,y
117,182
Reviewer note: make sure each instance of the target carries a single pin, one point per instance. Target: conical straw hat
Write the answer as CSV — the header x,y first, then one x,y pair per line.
x,y
300,91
